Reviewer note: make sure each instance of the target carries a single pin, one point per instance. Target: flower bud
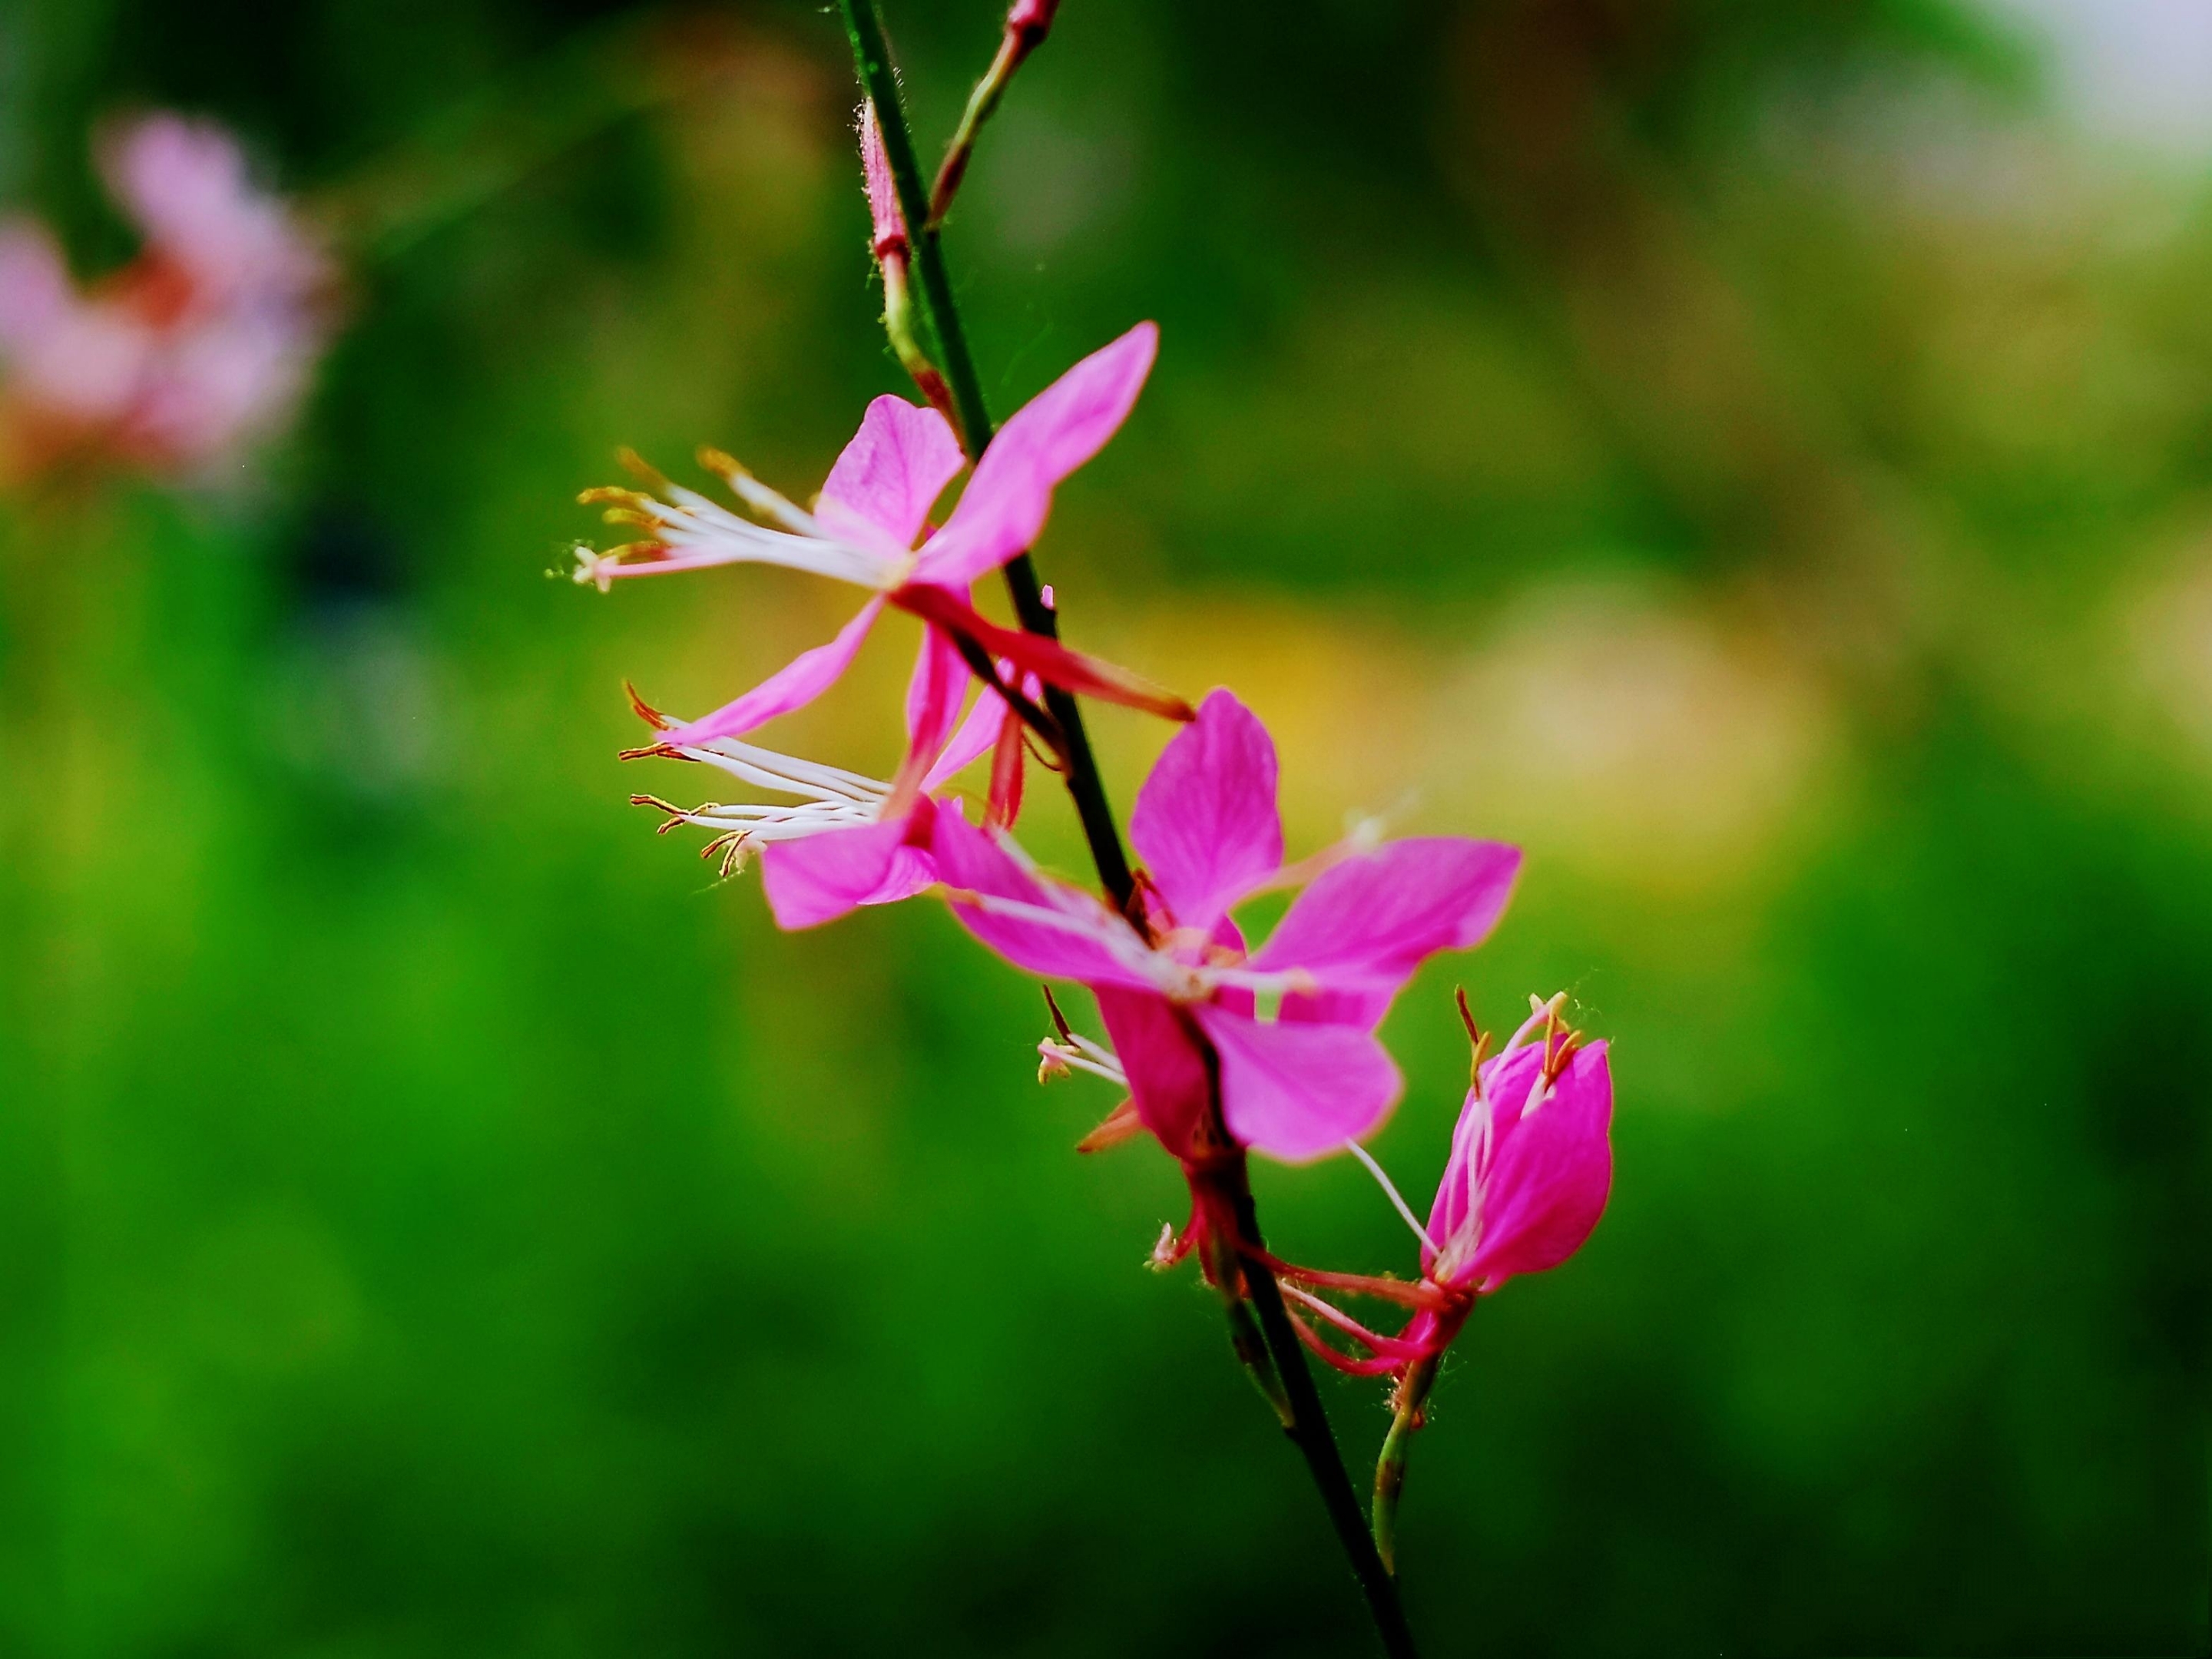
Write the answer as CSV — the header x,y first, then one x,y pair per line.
x,y
889,227
1032,18
1531,1165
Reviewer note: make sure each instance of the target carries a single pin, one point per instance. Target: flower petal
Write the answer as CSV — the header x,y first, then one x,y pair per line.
x,y
1004,504
1205,821
1041,926
35,291
1009,763
1168,1077
1299,1091
795,685
882,486
1547,1174
933,694
978,732
1366,924
818,879
1048,659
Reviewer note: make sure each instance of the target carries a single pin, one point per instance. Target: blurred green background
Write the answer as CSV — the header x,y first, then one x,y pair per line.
x,y
1759,456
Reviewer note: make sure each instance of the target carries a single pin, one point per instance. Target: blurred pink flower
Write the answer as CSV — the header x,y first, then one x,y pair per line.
x,y
200,345
874,504
1288,1029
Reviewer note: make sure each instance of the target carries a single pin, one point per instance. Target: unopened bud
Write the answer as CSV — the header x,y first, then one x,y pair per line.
x,y
890,227
1032,18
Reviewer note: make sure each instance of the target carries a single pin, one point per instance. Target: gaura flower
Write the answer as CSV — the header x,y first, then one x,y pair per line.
x,y
847,840
1531,1166
864,526
202,343
1531,1162
1286,1030
1530,1169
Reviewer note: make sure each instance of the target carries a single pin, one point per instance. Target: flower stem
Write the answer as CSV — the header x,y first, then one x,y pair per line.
x,y
1307,1424
880,82
1409,1411
1027,24
1310,1432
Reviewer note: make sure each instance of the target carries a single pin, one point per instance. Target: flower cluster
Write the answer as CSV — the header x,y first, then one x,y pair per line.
x,y
200,345
1224,1044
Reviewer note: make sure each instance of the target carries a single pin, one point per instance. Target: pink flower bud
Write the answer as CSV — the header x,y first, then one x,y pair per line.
x,y
883,193
1032,18
1531,1166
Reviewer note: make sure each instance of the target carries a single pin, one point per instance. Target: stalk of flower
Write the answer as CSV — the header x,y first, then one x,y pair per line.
x,y
879,85
894,255
1028,23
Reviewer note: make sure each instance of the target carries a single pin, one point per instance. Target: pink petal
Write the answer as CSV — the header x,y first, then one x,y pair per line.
x,y
1046,659
1066,935
35,290
882,486
974,738
1547,1174
1009,764
820,877
933,694
1366,924
1168,1077
1004,504
1299,1091
795,685
185,183
1205,821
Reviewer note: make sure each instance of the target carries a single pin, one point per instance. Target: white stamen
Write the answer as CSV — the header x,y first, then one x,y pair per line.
x,y
1097,1051
696,533
787,773
1086,918
1075,1059
1542,1012
831,797
1391,1192
770,505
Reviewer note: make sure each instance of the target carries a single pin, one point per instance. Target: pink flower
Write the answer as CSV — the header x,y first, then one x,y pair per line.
x,y
1530,1169
1531,1162
863,531
1288,1027
201,344
846,840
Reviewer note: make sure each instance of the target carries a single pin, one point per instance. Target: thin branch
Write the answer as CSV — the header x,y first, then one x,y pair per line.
x,y
1085,785
1027,25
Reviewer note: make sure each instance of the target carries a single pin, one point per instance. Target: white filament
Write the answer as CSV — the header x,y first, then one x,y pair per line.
x,y
1390,1191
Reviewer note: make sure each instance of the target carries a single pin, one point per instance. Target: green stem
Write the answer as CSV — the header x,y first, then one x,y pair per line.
x,y
1023,35
880,82
1307,1424
1310,1432
1409,1410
